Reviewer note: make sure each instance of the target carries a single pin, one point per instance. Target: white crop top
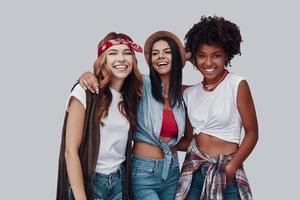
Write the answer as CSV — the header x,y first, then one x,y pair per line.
x,y
114,133
215,113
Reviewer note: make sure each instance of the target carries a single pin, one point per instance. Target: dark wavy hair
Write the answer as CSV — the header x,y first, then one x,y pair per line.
x,y
131,89
175,75
215,31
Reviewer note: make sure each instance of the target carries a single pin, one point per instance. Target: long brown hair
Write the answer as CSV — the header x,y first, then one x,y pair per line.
x,y
131,89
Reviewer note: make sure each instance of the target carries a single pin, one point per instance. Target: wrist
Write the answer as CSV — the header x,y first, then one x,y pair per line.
x,y
233,165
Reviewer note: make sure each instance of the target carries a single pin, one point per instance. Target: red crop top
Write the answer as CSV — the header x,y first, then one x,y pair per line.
x,y
169,126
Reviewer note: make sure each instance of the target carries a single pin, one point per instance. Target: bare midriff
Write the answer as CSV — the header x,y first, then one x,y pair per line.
x,y
214,146
147,150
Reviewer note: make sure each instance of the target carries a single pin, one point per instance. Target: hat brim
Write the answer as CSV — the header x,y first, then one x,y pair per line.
x,y
153,38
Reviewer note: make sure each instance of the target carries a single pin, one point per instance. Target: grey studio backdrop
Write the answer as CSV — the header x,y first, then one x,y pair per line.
x,y
46,45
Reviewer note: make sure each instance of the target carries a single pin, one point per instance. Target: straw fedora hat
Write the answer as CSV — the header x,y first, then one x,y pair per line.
x,y
153,38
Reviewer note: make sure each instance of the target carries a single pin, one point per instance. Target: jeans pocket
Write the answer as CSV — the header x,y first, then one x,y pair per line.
x,y
231,191
143,171
232,182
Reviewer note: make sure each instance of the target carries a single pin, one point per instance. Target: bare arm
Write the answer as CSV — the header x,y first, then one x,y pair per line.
x,y
185,141
89,81
74,132
248,116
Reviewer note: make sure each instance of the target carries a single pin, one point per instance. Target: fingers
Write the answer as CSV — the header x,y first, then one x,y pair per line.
x,y
95,84
89,81
88,85
81,80
229,180
229,176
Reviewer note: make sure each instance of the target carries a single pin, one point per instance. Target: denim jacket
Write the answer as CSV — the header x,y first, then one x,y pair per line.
x,y
149,122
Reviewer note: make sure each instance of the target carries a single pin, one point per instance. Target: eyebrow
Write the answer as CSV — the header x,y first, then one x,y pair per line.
x,y
163,49
116,50
216,52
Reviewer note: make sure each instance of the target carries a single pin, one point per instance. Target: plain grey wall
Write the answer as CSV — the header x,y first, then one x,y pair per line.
x,y
46,45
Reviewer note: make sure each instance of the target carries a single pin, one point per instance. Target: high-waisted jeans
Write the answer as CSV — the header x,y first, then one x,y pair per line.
x,y
147,179
107,187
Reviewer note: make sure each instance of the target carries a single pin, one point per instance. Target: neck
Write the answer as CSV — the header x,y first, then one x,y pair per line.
x,y
216,79
211,86
165,80
117,84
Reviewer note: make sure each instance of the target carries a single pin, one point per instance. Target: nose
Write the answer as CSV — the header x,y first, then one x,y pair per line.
x,y
161,55
121,57
208,61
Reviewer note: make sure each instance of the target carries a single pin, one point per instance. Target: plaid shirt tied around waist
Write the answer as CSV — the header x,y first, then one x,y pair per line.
x,y
215,180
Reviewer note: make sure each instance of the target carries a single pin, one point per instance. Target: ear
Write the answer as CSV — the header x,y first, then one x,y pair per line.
x,y
188,56
226,57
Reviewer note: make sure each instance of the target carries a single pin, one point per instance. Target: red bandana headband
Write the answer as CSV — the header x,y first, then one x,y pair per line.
x,y
133,46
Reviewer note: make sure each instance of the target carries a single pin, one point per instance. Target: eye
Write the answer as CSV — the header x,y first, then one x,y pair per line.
x,y
200,56
217,56
168,52
154,53
112,53
128,53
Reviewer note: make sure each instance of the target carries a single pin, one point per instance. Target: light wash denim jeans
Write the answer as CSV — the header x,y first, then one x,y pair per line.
x,y
231,191
147,179
107,187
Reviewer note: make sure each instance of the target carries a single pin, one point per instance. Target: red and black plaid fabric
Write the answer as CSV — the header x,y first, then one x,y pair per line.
x,y
215,181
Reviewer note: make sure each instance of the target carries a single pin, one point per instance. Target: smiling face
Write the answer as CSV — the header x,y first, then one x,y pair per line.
x,y
119,60
210,61
161,57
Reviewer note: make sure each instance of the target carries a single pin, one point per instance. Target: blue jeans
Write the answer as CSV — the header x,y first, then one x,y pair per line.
x,y
147,179
106,187
231,191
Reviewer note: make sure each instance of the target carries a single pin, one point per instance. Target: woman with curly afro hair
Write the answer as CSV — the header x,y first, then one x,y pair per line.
x,y
217,108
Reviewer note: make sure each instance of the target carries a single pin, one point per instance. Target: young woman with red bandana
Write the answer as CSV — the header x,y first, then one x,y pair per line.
x,y
96,142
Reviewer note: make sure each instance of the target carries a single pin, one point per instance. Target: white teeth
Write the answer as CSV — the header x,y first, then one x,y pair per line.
x,y
162,63
209,70
120,67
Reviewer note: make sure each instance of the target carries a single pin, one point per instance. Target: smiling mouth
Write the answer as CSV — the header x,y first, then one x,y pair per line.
x,y
209,70
120,67
162,64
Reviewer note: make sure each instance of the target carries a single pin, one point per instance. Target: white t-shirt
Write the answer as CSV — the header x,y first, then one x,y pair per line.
x,y
114,133
215,113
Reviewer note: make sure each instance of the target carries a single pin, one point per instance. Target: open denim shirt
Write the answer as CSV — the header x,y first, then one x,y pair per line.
x,y
149,122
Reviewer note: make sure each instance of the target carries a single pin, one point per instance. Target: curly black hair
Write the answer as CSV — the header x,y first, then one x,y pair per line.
x,y
213,30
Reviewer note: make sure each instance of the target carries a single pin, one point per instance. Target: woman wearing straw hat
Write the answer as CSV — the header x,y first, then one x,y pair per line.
x,y
160,119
